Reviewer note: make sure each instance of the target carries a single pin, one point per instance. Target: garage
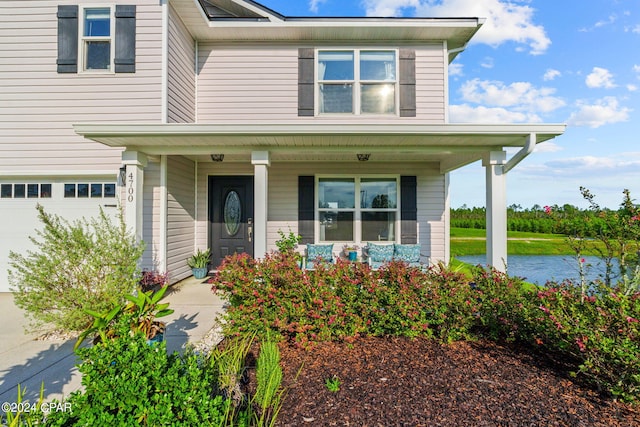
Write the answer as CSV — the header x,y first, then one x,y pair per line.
x,y
71,198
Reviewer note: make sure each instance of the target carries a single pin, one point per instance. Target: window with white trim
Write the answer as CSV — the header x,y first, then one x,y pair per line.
x,y
96,41
357,81
357,209
92,190
29,191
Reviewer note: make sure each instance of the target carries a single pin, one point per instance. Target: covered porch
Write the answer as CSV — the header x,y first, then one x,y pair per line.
x,y
185,156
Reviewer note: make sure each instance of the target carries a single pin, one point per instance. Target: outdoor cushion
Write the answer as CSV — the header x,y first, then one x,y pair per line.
x,y
380,253
318,253
407,253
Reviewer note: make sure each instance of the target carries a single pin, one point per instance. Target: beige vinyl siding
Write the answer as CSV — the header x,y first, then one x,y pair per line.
x,y
38,106
283,197
236,83
151,216
181,209
181,75
260,84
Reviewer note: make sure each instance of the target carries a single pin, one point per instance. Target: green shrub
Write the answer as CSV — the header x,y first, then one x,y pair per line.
x,y
342,301
87,264
128,382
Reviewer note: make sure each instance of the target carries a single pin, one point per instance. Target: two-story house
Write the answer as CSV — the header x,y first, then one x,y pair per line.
x,y
219,123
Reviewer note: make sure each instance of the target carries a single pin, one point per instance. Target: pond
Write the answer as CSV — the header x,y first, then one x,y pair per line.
x,y
540,269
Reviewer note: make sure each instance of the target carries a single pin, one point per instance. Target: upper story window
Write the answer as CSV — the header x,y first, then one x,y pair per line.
x,y
357,81
97,39
96,44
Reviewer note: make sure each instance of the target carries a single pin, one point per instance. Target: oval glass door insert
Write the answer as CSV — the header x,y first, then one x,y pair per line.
x,y
232,213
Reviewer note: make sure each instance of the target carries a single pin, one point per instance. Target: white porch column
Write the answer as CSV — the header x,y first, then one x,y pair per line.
x,y
135,163
261,162
496,192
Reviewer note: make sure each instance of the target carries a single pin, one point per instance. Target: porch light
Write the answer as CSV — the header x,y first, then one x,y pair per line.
x,y
122,176
217,157
363,157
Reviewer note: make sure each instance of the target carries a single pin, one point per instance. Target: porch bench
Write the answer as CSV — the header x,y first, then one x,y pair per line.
x,y
379,254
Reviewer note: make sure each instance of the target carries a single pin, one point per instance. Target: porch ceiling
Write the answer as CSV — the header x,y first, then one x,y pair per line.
x,y
456,144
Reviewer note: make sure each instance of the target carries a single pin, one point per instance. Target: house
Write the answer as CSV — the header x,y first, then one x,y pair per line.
x,y
222,122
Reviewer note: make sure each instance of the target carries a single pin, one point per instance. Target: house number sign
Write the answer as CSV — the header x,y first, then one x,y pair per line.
x,y
130,188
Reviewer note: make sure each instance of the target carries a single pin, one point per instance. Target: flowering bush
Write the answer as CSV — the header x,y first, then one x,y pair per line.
x,y
599,332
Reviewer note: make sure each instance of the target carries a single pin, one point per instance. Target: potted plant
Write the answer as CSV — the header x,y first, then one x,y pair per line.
x,y
199,262
350,251
139,314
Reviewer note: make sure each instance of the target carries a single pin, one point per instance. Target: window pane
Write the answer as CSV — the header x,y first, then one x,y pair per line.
x,y
377,193
336,193
69,190
336,226
335,65
19,190
378,98
336,98
32,191
45,191
109,190
97,22
378,226
378,65
6,191
97,55
83,190
96,190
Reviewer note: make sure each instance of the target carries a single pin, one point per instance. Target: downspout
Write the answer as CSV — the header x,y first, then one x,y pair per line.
x,y
522,154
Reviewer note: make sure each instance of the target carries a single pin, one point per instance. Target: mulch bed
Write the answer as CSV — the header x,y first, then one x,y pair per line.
x,y
402,382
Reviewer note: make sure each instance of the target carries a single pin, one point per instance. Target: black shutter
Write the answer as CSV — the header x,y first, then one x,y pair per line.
x,y
67,39
407,83
125,60
409,210
306,216
306,81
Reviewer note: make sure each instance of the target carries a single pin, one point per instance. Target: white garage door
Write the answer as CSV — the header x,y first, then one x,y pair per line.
x,y
72,199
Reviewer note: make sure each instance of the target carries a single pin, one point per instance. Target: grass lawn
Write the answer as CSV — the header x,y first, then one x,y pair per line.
x,y
469,241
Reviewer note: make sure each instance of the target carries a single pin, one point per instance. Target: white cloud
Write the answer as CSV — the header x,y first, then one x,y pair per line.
x,y
314,4
548,147
520,96
468,114
487,62
600,78
612,18
636,29
551,74
382,8
506,21
456,70
636,68
604,111
632,87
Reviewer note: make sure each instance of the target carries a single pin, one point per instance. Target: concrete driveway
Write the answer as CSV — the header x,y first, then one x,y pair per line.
x,y
30,362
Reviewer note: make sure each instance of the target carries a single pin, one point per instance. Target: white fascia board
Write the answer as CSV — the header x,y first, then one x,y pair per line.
x,y
316,129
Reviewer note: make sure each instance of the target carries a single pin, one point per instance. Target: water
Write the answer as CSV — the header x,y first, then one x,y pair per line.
x,y
540,269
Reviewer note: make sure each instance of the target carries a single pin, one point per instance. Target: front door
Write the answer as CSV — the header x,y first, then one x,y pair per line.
x,y
230,216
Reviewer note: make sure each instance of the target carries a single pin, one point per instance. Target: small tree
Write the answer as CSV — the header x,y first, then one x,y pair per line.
x,y
88,264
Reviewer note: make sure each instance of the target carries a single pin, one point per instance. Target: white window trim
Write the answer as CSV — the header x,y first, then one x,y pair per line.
x,y
82,38
357,210
357,82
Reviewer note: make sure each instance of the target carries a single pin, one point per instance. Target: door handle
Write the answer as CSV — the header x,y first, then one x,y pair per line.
x,y
250,228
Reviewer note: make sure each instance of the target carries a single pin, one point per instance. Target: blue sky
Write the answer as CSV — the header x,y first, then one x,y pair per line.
x,y
550,61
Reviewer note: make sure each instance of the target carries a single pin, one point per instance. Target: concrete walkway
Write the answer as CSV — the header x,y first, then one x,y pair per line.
x,y
28,362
